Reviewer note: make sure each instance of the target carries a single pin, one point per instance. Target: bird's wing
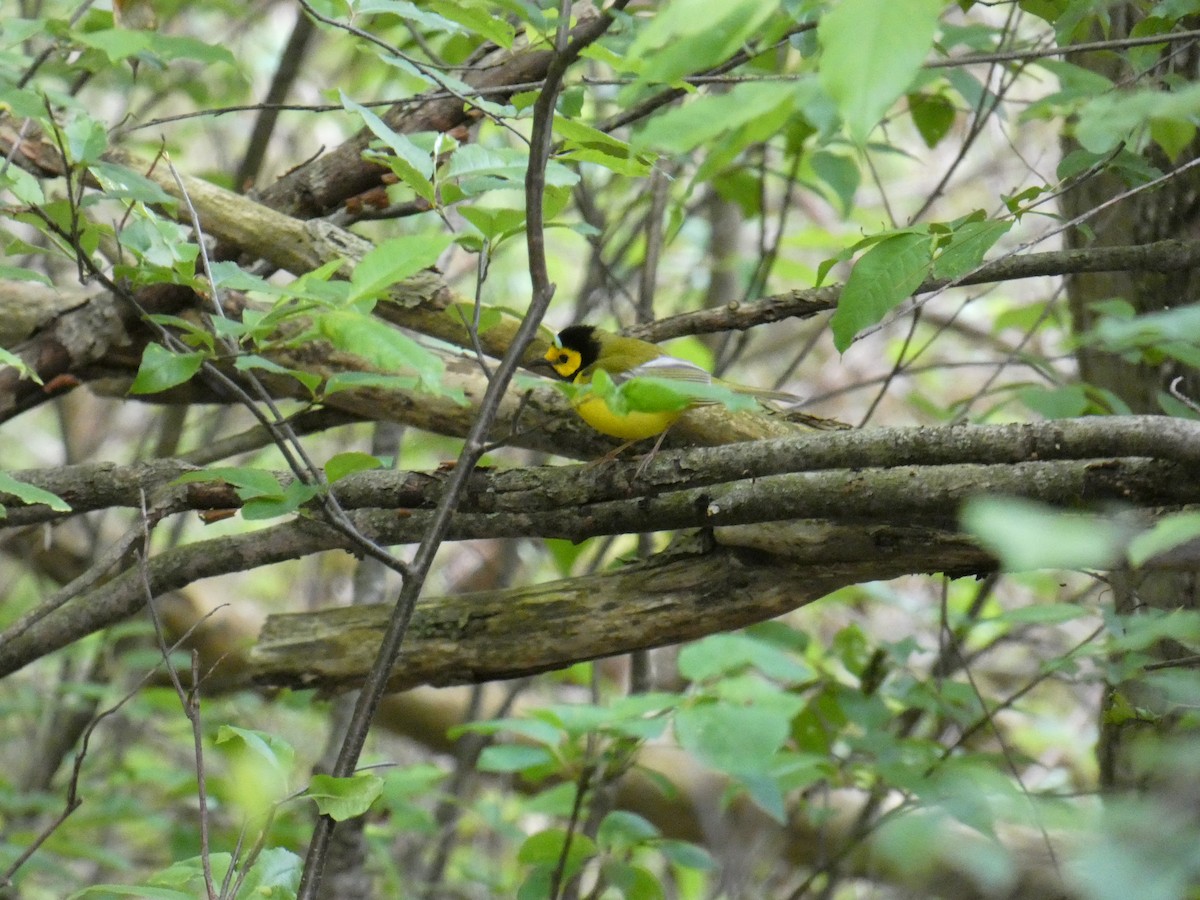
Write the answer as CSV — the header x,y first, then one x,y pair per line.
x,y
676,369
763,394
670,367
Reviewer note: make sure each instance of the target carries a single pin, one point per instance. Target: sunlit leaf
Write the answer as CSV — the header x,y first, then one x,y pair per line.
x,y
162,369
690,35
884,277
969,242
344,798
31,494
871,52
393,261
413,165
338,467
122,183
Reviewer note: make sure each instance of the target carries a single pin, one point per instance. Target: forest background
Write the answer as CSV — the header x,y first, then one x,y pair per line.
x,y
311,590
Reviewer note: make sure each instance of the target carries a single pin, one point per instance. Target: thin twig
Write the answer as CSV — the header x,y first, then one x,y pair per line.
x,y
188,700
476,440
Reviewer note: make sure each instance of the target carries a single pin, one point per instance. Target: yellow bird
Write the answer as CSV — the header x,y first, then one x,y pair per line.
x,y
580,351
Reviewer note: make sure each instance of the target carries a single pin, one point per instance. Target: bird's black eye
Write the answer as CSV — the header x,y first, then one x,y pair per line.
x,y
562,358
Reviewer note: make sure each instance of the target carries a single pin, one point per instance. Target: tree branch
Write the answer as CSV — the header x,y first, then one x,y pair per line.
x,y
568,506
93,486
802,303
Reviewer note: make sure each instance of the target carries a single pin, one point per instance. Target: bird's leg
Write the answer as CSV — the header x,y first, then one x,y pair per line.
x,y
637,473
611,454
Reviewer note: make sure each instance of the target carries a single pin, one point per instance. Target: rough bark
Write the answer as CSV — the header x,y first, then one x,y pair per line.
x,y
1171,212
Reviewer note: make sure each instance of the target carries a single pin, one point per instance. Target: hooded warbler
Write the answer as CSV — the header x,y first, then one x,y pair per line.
x,y
582,350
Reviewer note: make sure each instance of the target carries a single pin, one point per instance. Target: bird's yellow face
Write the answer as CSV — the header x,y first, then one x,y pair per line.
x,y
576,350
565,361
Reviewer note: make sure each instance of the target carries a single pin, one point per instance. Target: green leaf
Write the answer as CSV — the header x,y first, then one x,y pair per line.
x,y
1040,614
228,275
146,892
273,750
547,847
122,183
493,223
1119,333
275,874
162,369
766,792
477,18
633,881
410,12
252,361
642,716
653,395
338,467
411,164
7,358
1065,402
1115,117
121,43
702,119
871,52
1026,535
564,553
723,654
690,35
538,883
885,276
190,872
393,261
733,739
650,394
840,173
378,343
344,798
117,43
933,114
24,186
1173,135
158,241
479,169
250,482
538,730
583,143
262,496
86,139
513,758
1168,533
686,855
30,494
258,768
621,830
557,800
191,333
348,381
1138,849
969,243
294,496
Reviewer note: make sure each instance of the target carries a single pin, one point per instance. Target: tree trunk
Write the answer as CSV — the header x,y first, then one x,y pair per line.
x,y
1135,709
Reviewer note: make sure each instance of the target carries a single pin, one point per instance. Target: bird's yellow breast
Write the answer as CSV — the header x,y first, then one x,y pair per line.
x,y
629,426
